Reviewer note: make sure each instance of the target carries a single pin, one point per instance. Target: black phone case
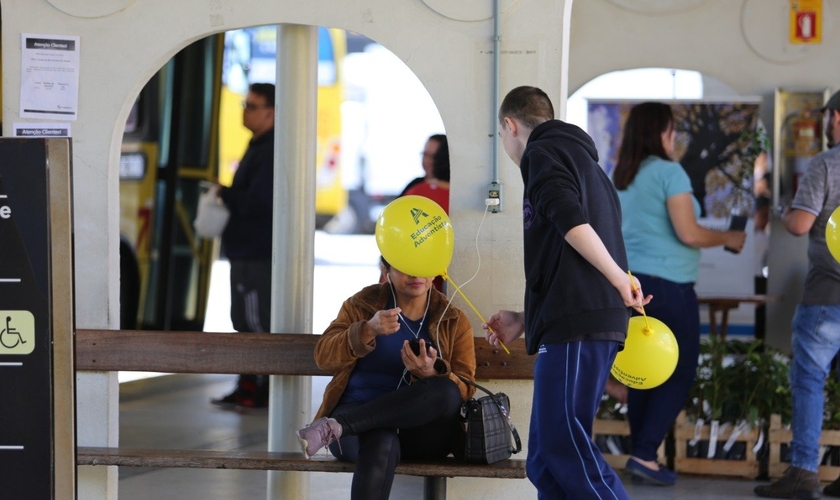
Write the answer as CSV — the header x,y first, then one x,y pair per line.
x,y
737,223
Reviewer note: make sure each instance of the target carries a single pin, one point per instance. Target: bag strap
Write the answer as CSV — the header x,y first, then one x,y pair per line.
x,y
502,409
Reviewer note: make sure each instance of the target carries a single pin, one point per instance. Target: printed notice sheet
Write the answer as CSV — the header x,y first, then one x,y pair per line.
x,y
49,76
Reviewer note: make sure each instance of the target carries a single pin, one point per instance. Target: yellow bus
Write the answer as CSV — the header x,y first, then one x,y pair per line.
x,y
185,129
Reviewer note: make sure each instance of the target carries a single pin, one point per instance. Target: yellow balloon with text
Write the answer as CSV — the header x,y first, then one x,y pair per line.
x,y
650,354
415,236
832,234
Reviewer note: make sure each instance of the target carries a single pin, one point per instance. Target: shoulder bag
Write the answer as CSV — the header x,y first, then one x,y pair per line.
x,y
491,436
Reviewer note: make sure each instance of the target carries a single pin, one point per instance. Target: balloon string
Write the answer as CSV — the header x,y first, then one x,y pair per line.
x,y
633,284
458,289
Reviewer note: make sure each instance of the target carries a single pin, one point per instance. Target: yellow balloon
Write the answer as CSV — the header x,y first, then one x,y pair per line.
x,y
415,235
832,234
649,356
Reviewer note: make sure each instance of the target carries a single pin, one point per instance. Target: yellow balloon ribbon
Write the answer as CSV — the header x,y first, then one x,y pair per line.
x,y
458,289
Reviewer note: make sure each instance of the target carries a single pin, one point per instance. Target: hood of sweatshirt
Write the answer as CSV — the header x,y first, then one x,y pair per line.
x,y
553,130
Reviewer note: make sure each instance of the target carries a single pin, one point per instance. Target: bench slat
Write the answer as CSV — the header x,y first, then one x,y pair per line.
x,y
196,352
247,353
264,460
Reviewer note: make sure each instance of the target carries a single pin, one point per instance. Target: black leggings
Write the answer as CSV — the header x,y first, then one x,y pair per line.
x,y
419,421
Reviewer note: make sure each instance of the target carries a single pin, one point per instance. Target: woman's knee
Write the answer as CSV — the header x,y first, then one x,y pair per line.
x,y
444,394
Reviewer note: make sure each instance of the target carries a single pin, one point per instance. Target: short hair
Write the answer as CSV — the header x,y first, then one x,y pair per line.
x,y
266,90
440,161
642,137
530,105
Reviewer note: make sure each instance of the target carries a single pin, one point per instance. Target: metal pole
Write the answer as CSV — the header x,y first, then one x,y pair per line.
x,y
293,239
497,47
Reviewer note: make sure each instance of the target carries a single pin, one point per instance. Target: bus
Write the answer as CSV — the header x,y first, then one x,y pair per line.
x,y
184,130
250,57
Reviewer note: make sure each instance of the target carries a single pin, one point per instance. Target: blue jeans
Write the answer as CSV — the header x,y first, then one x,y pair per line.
x,y
816,340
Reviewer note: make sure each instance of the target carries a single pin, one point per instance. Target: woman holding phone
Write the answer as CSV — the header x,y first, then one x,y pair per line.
x,y
385,402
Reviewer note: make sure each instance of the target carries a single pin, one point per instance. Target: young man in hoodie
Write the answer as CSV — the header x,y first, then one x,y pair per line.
x,y
577,294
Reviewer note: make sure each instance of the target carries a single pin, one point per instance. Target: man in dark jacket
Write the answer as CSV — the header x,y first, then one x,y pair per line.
x,y
247,237
576,298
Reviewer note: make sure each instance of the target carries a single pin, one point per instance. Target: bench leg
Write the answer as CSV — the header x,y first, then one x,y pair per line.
x,y
434,488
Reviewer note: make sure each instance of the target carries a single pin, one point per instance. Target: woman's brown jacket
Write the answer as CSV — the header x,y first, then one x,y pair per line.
x,y
340,346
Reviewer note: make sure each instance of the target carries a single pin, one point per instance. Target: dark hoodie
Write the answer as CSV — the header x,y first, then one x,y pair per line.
x,y
566,298
247,235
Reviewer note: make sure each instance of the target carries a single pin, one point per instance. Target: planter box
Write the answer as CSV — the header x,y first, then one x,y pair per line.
x,y
779,435
684,432
602,427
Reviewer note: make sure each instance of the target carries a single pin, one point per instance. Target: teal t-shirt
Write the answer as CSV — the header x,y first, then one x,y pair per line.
x,y
652,244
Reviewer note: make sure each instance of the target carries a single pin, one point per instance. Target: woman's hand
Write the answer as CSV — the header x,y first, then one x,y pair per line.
x,y
421,365
385,322
735,240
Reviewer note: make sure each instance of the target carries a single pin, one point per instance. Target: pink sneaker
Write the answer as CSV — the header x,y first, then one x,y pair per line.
x,y
319,434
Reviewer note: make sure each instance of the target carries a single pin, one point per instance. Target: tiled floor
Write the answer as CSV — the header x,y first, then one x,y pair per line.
x,y
173,411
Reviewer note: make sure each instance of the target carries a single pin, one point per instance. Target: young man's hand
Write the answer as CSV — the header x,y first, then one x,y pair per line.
x,y
504,326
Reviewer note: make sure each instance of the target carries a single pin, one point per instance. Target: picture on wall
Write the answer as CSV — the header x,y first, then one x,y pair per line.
x,y
715,144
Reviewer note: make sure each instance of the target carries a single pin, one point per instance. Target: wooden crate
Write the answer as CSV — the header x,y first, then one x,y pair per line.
x,y
684,432
779,435
603,427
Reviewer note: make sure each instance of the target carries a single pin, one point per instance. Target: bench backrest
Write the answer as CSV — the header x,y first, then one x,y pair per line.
x,y
246,353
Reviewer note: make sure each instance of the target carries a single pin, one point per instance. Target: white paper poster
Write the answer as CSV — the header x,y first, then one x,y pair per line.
x,y
49,76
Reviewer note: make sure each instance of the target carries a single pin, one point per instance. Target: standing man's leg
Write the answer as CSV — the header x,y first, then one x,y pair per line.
x,y
250,311
563,461
815,342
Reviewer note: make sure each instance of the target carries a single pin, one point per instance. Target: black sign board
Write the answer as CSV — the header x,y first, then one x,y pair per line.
x,y
27,411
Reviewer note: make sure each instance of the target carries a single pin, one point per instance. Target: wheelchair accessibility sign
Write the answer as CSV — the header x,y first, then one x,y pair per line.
x,y
17,332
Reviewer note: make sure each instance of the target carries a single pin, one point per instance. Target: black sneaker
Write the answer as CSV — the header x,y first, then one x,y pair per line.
x,y
247,404
229,401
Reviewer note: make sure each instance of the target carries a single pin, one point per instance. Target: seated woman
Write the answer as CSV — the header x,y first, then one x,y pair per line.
x,y
385,402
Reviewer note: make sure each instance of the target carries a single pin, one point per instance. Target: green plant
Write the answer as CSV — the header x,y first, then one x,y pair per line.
x,y
740,381
831,411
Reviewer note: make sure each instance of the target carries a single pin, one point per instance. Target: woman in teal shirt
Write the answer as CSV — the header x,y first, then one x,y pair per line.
x,y
663,241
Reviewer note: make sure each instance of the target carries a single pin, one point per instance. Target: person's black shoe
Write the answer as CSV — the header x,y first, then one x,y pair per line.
x,y
247,404
229,401
795,483
833,489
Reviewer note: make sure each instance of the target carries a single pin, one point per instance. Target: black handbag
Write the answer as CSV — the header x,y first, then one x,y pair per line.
x,y
491,436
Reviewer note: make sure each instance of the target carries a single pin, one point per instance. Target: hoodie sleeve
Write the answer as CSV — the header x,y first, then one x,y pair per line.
x,y
555,192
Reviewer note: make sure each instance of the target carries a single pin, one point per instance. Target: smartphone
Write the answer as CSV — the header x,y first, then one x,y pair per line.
x,y
736,223
415,346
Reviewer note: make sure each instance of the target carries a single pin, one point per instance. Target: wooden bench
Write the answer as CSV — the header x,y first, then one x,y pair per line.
x,y
264,353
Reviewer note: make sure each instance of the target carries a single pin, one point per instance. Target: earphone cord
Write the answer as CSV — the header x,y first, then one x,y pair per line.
x,y
423,319
477,269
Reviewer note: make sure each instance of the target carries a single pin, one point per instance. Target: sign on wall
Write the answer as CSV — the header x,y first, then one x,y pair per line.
x,y
806,22
36,376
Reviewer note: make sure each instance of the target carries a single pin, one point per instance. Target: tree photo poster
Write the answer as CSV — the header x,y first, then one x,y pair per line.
x,y
711,144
